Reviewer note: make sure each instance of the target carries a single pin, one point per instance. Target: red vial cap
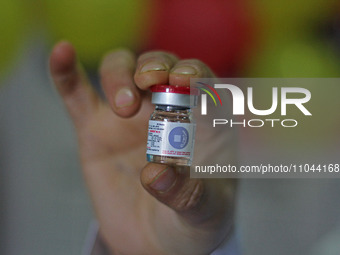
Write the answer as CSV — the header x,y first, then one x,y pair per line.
x,y
186,90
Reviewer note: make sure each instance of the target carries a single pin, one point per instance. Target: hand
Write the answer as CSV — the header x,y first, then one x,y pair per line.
x,y
157,209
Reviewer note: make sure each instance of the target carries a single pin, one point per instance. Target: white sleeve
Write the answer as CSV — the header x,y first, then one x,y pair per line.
x,y
231,247
94,245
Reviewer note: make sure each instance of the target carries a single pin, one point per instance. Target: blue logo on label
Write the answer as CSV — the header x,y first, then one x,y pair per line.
x,y
179,137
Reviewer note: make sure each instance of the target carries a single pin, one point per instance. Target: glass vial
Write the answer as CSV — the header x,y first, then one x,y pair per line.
x,y
171,133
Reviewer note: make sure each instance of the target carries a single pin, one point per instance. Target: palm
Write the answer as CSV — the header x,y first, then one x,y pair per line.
x,y
110,134
120,151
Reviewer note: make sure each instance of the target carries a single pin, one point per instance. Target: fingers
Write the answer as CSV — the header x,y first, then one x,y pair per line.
x,y
181,73
123,78
164,68
116,73
153,68
197,201
69,78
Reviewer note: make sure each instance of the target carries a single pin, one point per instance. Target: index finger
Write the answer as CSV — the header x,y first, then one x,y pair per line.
x,y
153,68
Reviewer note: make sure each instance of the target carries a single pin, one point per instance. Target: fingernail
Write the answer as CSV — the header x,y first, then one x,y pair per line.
x,y
185,70
164,181
124,98
153,66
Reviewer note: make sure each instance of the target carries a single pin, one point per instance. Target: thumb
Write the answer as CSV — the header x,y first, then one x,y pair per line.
x,y
198,201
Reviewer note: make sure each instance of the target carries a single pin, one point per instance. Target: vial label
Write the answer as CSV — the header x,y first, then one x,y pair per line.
x,y
171,139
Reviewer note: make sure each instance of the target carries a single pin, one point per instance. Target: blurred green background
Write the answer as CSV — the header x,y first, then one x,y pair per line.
x,y
259,38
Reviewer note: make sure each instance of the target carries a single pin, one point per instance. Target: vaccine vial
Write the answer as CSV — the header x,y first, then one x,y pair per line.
x,y
171,133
